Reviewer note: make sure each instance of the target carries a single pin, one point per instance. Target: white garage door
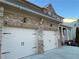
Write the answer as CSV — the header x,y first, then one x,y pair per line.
x,y
50,40
17,43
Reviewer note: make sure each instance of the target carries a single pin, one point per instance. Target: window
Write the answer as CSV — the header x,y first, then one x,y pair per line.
x,y
22,43
49,13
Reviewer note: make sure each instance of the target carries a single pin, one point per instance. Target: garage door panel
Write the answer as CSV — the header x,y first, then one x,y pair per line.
x,y
19,42
49,40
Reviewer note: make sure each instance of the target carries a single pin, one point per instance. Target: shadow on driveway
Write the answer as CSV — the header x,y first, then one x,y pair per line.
x,y
66,52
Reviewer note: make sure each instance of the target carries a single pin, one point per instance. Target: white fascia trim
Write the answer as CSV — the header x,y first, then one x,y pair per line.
x,y
26,9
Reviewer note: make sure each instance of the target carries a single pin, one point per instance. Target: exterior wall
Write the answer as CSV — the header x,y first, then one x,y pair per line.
x,y
50,9
73,29
61,35
26,4
15,17
12,18
65,33
1,23
53,13
31,22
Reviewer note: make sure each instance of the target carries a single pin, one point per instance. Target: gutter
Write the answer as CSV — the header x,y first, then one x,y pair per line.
x,y
26,9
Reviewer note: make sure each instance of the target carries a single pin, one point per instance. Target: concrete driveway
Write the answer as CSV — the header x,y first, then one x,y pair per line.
x,y
66,52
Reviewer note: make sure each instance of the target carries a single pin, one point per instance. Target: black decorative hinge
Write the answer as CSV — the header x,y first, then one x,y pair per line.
x,y
6,33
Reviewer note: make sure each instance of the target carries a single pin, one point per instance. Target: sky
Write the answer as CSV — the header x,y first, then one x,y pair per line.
x,y
64,8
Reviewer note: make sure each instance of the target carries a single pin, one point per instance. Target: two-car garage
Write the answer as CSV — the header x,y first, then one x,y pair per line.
x,y
27,29
21,42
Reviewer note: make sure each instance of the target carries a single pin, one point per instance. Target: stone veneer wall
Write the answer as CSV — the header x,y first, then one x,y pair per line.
x,y
16,20
13,19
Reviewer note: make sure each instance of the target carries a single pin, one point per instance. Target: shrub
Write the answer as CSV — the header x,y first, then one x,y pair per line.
x,y
77,36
